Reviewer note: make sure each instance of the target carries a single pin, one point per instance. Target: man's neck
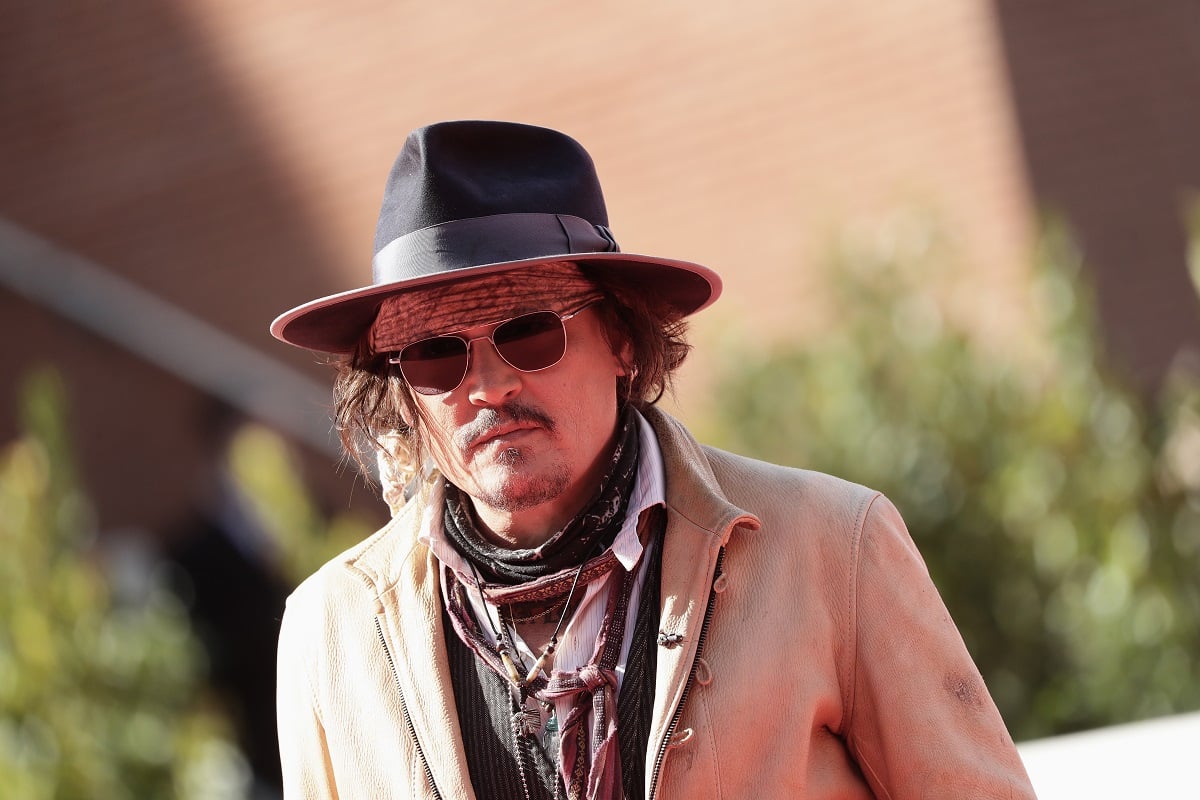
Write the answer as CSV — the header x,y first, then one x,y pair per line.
x,y
524,529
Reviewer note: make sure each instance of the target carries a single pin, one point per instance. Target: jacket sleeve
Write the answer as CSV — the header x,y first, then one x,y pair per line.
x,y
920,720
303,749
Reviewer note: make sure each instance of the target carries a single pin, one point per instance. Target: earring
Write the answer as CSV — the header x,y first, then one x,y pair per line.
x,y
630,380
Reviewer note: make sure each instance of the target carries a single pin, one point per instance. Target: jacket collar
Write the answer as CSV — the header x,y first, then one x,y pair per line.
x,y
692,487
693,493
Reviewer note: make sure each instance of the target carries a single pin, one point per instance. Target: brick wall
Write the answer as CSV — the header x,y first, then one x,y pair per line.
x,y
229,157
1108,100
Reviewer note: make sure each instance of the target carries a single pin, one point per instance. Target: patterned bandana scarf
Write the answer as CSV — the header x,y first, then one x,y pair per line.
x,y
590,532
408,316
589,756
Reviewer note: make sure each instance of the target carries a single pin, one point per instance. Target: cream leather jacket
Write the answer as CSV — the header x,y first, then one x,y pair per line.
x,y
803,653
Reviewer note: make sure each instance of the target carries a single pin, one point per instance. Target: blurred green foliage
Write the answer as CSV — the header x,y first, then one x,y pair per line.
x,y
98,695
265,469
1058,511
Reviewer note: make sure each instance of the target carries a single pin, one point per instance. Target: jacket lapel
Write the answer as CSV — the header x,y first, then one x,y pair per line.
x,y
410,618
699,523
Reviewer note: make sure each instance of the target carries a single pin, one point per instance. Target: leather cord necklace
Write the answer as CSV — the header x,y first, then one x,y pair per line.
x,y
504,640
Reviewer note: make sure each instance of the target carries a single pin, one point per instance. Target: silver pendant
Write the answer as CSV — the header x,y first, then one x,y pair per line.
x,y
527,721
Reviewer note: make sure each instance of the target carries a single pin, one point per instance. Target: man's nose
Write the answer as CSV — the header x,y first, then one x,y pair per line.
x,y
490,380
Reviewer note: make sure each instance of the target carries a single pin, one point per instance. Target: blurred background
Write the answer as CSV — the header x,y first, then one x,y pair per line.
x,y
958,239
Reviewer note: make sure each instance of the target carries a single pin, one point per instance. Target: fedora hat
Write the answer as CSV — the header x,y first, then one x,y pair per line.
x,y
473,198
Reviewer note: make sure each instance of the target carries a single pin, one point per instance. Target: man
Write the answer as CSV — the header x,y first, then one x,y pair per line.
x,y
574,598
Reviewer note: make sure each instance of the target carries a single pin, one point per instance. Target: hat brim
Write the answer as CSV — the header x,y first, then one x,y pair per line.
x,y
336,323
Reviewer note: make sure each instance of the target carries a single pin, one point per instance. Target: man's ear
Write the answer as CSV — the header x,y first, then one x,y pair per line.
x,y
625,359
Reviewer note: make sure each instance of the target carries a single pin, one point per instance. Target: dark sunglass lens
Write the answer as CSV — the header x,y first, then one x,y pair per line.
x,y
532,341
433,366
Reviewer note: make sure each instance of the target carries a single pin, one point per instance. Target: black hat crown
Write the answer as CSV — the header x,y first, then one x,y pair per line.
x,y
461,170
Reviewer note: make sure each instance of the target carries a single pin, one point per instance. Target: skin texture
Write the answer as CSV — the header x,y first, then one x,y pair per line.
x,y
529,448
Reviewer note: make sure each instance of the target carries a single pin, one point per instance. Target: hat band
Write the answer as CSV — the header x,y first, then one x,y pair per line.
x,y
495,239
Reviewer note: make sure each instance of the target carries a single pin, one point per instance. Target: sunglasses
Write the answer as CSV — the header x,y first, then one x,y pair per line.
x,y
529,343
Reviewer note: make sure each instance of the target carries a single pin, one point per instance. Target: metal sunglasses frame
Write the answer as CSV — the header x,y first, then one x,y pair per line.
x,y
563,317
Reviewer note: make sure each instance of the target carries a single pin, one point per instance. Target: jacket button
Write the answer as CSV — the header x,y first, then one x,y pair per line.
x,y
680,738
703,672
721,583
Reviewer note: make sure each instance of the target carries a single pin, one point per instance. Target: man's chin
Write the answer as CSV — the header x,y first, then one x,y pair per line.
x,y
513,457
515,491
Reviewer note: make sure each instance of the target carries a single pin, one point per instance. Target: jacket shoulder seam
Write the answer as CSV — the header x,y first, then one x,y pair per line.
x,y
850,643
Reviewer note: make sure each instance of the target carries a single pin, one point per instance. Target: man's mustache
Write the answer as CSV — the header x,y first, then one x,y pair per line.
x,y
492,418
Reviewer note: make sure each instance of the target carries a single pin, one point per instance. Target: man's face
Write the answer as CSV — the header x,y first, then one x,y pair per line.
x,y
528,447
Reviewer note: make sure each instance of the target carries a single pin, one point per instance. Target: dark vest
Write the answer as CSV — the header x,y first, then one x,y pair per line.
x,y
485,712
